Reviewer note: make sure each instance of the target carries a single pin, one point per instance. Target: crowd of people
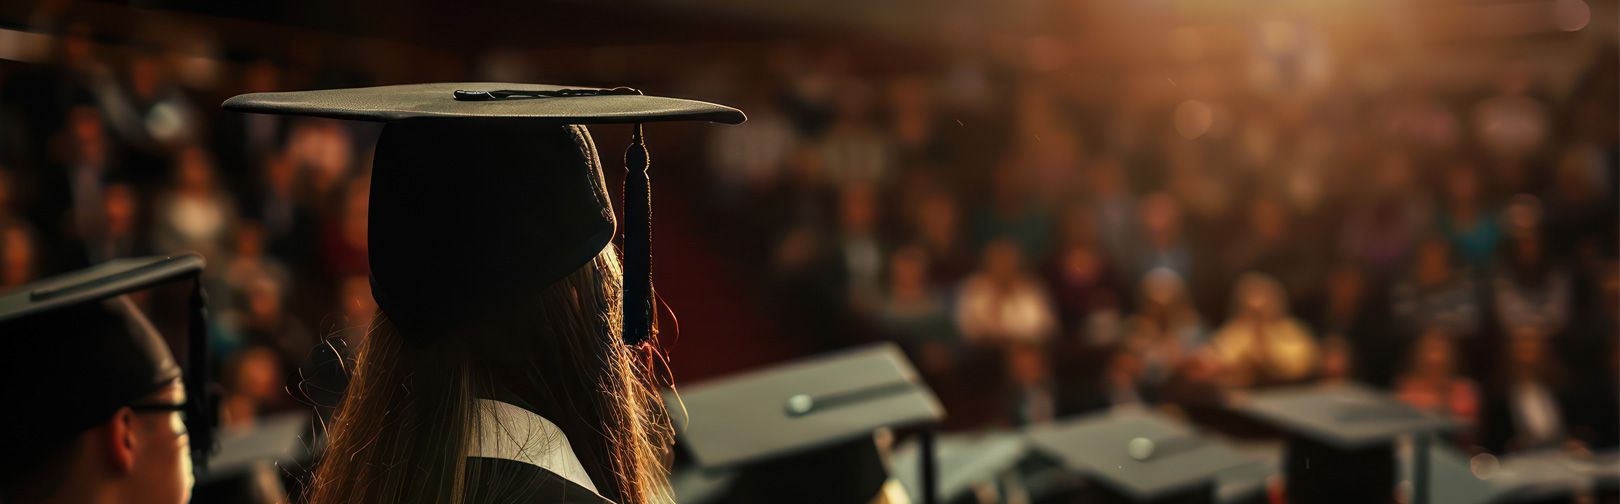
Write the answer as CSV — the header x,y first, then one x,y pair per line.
x,y
104,158
1042,252
1041,248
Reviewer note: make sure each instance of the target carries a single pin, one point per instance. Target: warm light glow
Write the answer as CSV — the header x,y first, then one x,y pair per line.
x,y
1571,15
1193,118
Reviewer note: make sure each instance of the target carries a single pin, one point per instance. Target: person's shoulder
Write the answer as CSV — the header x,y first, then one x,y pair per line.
x,y
496,480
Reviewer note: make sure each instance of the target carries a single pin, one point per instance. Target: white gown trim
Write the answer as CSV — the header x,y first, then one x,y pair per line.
x,y
513,433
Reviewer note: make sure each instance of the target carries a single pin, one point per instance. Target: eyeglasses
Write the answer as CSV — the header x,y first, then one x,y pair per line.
x,y
164,408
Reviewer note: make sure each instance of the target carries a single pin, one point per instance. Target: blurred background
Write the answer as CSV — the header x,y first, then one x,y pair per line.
x,y
1055,206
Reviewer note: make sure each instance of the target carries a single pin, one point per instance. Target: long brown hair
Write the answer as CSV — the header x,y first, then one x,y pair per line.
x,y
405,422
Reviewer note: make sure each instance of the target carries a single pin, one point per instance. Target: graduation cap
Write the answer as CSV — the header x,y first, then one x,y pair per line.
x,y
1140,457
459,164
1340,444
103,354
804,431
1537,477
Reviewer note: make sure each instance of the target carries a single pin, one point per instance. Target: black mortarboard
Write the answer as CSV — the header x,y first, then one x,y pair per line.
x,y
482,191
1341,439
97,352
1536,477
1140,457
803,431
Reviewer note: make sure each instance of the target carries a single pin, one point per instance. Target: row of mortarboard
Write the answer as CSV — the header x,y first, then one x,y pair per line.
x,y
809,431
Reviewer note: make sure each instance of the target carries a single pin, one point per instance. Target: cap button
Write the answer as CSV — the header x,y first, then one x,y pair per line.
x,y
1140,448
800,404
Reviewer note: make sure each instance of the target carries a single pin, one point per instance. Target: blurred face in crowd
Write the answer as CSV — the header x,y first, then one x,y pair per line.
x,y
262,77
89,139
77,46
1434,261
857,210
280,173
264,301
938,220
16,257
908,270
1161,289
118,201
1124,367
1267,220
1260,297
1462,186
145,76
1161,219
250,241
258,374
1027,365
195,176
1081,264
1433,354
1003,261
1527,353
1523,215
1344,288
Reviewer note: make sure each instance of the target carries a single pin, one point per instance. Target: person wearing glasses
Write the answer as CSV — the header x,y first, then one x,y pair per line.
x,y
97,405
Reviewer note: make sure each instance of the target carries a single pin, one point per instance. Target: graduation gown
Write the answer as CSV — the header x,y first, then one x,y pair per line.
x,y
520,457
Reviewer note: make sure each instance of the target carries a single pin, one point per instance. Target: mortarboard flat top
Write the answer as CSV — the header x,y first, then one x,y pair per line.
x,y
1537,476
460,162
1102,446
408,101
102,281
1346,416
802,405
964,460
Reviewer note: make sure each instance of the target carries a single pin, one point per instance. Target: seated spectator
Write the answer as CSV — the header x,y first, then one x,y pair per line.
x,y
254,385
860,253
1161,244
1001,303
1532,289
1432,381
1380,229
1166,328
194,213
1464,221
1528,405
1261,344
912,310
1033,393
1012,213
119,235
1438,294
19,261
1078,271
939,230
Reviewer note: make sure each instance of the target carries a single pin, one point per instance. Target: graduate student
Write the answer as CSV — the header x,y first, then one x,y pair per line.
x,y
98,409
510,360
